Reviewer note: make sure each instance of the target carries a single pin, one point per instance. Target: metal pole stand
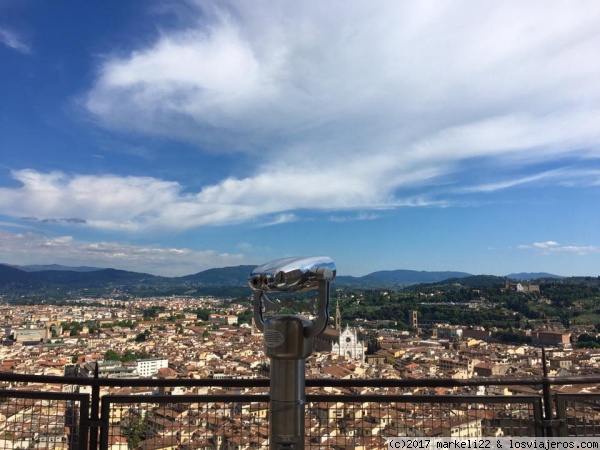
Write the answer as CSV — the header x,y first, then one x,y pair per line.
x,y
288,341
287,347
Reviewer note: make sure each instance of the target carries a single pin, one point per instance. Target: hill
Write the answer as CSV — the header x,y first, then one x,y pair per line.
x,y
524,276
93,278
61,284
226,281
10,275
40,267
17,283
225,276
475,281
389,278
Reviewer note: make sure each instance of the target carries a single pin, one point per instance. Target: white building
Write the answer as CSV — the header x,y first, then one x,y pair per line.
x,y
344,343
30,334
149,367
349,346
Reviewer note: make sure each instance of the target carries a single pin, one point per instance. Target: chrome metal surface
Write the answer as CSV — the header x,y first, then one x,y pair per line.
x,y
288,340
296,274
318,326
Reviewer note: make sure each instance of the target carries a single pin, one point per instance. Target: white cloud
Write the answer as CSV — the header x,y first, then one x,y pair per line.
x,y
339,107
103,202
351,103
12,40
14,225
354,217
563,177
552,247
265,70
280,219
138,203
547,244
33,248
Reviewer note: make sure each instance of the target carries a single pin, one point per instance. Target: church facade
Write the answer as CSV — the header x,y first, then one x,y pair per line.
x,y
340,342
349,346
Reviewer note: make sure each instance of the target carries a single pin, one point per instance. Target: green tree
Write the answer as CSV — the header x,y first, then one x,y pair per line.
x,y
112,355
203,314
136,431
246,317
587,341
141,337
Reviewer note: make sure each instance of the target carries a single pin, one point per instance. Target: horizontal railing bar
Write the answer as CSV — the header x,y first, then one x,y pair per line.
x,y
327,398
450,382
310,382
241,398
422,398
43,395
136,382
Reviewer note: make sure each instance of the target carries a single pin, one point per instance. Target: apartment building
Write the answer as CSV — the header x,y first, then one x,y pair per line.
x,y
150,366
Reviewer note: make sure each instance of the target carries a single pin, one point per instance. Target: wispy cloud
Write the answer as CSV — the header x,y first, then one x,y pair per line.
x,y
13,40
71,220
375,115
14,225
547,244
139,203
549,247
359,117
19,248
563,176
492,187
280,219
350,218
251,248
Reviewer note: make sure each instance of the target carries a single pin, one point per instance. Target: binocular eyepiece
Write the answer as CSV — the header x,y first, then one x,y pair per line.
x,y
292,274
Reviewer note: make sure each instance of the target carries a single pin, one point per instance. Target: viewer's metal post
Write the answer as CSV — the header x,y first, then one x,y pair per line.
x,y
288,341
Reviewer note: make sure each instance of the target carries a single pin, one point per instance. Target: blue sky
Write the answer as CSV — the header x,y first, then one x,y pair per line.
x,y
171,137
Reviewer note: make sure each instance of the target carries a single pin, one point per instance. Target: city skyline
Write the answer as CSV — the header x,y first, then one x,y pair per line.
x,y
173,138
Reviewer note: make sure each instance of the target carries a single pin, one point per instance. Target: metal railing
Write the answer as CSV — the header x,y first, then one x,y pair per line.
x,y
79,413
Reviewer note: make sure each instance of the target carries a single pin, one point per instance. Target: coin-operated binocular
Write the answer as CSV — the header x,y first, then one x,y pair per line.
x,y
288,340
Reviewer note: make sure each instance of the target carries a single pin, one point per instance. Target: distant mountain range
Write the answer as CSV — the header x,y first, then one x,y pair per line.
x,y
398,278
40,267
57,280
524,276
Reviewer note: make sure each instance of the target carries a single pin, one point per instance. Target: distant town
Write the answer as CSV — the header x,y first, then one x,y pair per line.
x,y
208,337
373,334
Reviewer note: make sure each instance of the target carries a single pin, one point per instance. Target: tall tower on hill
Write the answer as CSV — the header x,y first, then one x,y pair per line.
x,y
413,319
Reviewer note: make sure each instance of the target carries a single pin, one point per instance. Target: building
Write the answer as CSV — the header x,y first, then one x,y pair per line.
x,y
150,366
30,335
349,346
413,319
485,369
108,369
223,318
559,338
484,335
454,364
344,343
520,287
448,332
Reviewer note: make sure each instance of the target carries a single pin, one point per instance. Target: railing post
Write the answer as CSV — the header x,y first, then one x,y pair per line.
x,y
547,396
95,406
